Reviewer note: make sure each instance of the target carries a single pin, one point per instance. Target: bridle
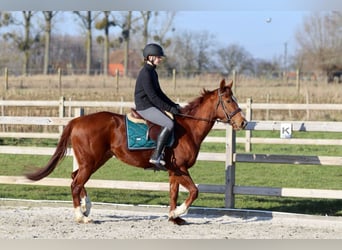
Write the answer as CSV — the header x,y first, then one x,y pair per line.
x,y
228,115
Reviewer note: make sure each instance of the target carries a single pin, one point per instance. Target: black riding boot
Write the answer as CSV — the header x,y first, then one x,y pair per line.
x,y
157,156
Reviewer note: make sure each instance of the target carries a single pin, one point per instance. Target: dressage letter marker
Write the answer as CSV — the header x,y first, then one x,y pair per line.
x,y
286,130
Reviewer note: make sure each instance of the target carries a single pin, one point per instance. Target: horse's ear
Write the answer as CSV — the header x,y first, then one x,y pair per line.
x,y
222,83
230,84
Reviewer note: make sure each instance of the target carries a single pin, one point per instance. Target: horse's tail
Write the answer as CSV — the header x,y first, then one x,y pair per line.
x,y
59,154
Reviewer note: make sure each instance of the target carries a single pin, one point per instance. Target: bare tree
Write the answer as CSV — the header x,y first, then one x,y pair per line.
x,y
235,57
87,20
204,42
48,15
104,24
126,23
184,52
126,28
23,42
5,19
163,27
320,41
146,16
193,51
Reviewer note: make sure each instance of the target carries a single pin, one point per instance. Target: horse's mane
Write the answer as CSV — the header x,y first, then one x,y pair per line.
x,y
191,107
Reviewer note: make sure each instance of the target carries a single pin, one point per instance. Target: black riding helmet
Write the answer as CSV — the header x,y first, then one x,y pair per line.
x,y
153,49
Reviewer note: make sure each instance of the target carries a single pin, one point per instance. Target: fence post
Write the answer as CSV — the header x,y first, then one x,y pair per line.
x,y
174,80
267,110
121,105
307,97
6,78
234,81
230,167
248,145
3,114
298,81
60,81
117,80
61,111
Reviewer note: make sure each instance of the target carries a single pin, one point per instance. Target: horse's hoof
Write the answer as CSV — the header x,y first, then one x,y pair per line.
x,y
178,221
84,220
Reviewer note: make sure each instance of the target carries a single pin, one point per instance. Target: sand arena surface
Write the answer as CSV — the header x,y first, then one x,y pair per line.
x,y
48,220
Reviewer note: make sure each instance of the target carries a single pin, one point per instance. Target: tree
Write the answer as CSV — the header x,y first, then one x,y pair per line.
x,y
159,34
266,68
184,54
48,15
5,19
87,19
126,28
192,52
203,43
24,42
146,16
104,24
235,57
320,41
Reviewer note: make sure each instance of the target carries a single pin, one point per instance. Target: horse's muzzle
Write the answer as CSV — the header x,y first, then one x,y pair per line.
x,y
239,125
244,124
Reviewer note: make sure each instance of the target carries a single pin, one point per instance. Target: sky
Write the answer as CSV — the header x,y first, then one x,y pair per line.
x,y
262,33
231,21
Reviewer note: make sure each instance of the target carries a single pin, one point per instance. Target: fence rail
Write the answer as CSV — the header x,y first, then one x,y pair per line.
x,y
230,157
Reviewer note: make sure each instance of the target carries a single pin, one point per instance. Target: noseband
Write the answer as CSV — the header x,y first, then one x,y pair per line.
x,y
228,115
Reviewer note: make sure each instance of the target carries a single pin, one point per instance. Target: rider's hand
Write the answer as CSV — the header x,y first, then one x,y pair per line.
x,y
174,110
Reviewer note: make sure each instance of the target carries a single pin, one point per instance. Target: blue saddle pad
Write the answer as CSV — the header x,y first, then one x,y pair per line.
x,y
138,138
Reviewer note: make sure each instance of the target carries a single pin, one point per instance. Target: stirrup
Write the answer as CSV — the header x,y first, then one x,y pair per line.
x,y
158,164
156,168
157,161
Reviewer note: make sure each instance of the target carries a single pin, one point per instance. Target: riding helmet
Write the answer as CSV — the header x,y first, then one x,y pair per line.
x,y
153,49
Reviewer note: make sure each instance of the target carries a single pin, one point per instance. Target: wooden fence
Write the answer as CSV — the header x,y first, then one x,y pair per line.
x,y
231,157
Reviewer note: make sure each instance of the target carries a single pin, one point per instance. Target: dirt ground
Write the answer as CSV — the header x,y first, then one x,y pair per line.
x,y
54,220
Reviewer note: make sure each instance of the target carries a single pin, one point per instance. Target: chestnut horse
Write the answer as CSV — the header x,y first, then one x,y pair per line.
x,y
95,138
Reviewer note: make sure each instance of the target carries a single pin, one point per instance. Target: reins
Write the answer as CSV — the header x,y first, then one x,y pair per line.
x,y
196,118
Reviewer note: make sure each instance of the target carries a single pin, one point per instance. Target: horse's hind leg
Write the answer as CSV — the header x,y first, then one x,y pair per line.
x,y
80,199
85,202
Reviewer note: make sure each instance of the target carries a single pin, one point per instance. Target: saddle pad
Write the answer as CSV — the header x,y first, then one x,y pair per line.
x,y
137,136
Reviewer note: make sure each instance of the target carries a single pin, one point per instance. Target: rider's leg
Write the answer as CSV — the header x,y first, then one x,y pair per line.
x,y
157,156
158,117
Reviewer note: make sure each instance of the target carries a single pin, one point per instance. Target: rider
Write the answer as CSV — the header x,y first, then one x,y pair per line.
x,y
151,101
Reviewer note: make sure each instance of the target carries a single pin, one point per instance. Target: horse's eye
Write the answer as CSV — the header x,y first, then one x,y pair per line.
x,y
229,101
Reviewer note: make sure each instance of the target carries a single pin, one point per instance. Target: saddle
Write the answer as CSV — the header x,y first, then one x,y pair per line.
x,y
141,133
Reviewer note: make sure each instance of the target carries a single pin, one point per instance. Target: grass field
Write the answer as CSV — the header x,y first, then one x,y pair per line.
x,y
247,174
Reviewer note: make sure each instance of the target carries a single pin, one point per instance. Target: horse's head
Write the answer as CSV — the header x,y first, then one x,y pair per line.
x,y
227,107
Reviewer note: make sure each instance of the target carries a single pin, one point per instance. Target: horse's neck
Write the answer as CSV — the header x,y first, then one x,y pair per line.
x,y
200,125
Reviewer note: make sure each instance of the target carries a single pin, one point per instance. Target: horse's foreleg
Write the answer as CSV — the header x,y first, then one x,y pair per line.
x,y
174,190
175,211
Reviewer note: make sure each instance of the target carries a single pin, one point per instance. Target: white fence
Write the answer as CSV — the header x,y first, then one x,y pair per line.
x,y
230,157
